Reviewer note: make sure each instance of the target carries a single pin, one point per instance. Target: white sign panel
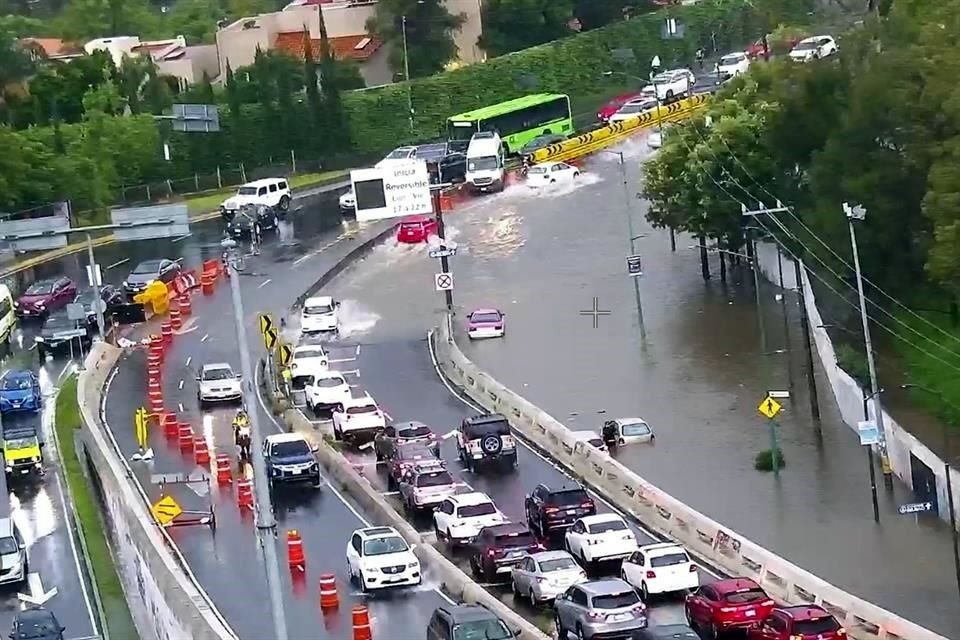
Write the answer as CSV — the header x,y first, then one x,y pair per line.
x,y
869,433
443,281
392,190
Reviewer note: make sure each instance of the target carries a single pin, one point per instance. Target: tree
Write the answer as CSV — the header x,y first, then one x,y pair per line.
x,y
196,20
511,25
311,81
594,14
65,84
334,121
15,66
84,20
429,34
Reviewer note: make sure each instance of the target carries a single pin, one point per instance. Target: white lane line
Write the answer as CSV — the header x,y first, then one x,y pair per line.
x,y
60,376
306,256
357,354
626,516
180,406
327,483
189,359
264,283
204,338
118,263
182,238
181,385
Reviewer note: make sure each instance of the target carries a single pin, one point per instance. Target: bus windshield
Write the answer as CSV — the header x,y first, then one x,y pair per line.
x,y
517,121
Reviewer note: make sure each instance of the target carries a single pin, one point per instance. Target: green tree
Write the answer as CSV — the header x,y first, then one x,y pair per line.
x,y
429,34
84,20
511,25
65,84
15,66
594,14
196,20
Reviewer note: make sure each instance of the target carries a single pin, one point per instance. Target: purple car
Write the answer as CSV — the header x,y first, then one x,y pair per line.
x,y
44,296
486,323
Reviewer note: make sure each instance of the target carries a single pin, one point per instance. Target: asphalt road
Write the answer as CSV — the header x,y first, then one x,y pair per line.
x,y
40,510
226,561
543,257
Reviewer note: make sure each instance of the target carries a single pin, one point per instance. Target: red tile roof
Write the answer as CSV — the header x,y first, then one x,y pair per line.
x,y
53,47
344,47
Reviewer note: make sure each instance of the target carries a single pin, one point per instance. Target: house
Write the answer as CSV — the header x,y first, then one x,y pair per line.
x,y
345,22
173,56
51,49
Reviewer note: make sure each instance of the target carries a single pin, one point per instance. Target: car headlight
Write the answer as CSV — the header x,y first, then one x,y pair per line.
x,y
8,469
314,465
126,284
40,305
35,459
413,565
39,339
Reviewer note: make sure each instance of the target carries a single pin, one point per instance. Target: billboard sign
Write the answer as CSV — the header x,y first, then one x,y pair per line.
x,y
398,188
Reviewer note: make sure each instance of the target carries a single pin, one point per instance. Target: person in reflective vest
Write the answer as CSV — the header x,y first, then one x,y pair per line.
x,y
241,434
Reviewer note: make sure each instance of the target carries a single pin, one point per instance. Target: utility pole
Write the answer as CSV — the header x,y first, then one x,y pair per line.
x,y
854,213
873,472
406,71
97,300
628,201
266,525
444,260
805,326
783,310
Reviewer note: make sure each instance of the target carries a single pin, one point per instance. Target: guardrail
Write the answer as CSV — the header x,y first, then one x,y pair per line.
x,y
720,546
176,605
612,133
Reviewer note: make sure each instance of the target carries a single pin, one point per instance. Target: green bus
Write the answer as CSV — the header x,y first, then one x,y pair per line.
x,y
518,121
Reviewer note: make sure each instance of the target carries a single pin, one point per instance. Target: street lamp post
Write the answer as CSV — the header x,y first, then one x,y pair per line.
x,y
406,70
951,510
869,448
854,213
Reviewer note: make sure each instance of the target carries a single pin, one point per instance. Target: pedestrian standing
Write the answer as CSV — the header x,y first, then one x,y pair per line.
x,y
700,56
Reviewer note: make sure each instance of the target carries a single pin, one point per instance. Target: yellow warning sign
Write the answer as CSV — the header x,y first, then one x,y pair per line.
x,y
285,353
165,510
769,407
270,339
266,323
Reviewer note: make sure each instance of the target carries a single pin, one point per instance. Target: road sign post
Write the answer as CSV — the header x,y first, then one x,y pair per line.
x,y
166,510
770,408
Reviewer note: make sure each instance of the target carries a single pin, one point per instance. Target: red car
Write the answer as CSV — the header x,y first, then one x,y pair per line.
x,y
734,603
805,622
756,50
405,457
44,296
607,110
416,229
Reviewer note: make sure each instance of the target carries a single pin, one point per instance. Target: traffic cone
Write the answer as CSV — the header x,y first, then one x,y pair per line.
x,y
244,494
224,472
153,384
328,592
156,402
186,308
295,557
170,426
154,372
166,331
154,362
156,342
361,623
185,438
207,283
175,322
201,452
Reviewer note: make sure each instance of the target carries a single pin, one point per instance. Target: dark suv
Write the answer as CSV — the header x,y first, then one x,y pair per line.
x,y
497,549
468,621
486,439
551,509
387,440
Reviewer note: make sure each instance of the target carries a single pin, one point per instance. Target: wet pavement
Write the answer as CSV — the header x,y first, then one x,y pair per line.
x,y
544,257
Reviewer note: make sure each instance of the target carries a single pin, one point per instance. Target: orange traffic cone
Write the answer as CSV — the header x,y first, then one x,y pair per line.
x,y
201,452
224,472
170,426
244,494
295,557
328,592
186,308
166,331
175,322
185,438
361,623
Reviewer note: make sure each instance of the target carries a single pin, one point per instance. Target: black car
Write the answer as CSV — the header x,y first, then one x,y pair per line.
x,y
486,439
36,623
60,331
149,270
242,224
385,442
110,298
548,509
497,549
540,142
468,621
444,164
666,632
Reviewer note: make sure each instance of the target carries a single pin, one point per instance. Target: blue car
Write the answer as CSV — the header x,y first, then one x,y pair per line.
x,y
20,391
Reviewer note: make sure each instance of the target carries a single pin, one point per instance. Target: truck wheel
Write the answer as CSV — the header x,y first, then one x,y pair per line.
x,y
285,203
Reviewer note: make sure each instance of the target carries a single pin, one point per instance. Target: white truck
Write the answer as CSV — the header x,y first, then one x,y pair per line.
x,y
485,165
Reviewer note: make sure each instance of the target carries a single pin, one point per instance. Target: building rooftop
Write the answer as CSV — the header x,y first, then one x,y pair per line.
x,y
358,48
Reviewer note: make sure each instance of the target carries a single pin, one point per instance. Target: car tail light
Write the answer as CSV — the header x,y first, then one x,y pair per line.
x,y
841,631
596,615
651,575
498,326
640,608
550,510
541,547
796,637
767,603
491,552
693,568
587,505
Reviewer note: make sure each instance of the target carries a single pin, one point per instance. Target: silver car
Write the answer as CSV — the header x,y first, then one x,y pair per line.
x,y
543,576
609,608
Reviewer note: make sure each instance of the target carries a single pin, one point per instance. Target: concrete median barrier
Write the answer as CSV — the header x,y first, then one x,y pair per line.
x,y
151,566
457,584
716,544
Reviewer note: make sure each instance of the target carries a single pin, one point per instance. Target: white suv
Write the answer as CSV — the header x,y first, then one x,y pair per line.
x,y
378,558
600,537
320,314
270,192
358,419
670,84
459,518
309,359
328,390
660,568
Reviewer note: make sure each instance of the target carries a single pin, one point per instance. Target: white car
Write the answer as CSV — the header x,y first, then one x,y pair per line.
x,y
308,358
814,48
664,567
633,109
590,438
270,192
320,314
541,175
600,537
326,391
627,431
379,558
426,485
733,64
670,84
358,419
541,577
400,153
348,201
486,323
459,518
218,383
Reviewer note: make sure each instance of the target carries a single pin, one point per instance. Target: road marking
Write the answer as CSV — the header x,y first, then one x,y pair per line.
x,y
182,237
204,338
189,359
302,258
181,385
118,263
264,283
60,377
387,494
180,406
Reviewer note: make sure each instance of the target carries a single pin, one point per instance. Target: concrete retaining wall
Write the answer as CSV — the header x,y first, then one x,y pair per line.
x,y
177,606
718,545
457,584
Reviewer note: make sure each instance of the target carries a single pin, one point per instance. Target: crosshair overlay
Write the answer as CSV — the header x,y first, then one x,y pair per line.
x,y
595,312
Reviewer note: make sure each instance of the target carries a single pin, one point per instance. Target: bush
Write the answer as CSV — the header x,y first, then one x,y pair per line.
x,y
764,460
854,361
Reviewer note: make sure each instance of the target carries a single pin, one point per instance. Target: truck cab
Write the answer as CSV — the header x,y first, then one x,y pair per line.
x,y
485,162
22,451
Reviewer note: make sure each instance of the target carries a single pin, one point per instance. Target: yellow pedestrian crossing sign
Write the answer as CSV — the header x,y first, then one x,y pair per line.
x,y
140,422
770,407
285,353
270,338
266,323
165,510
